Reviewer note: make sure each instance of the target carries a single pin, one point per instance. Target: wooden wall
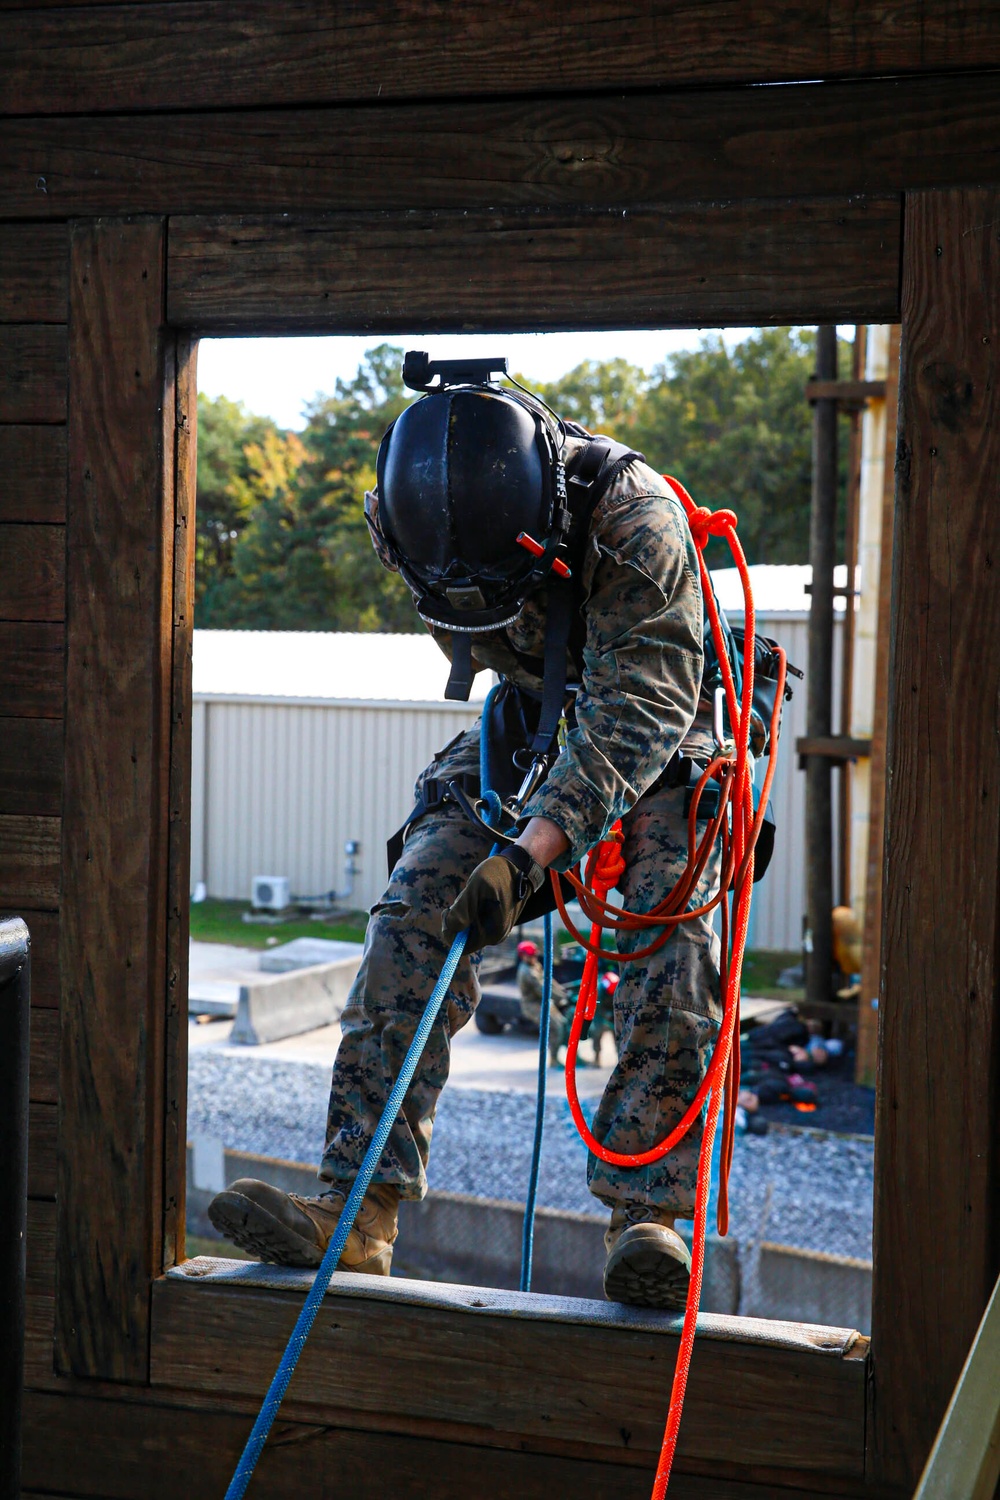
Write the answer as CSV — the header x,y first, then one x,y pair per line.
x,y
175,167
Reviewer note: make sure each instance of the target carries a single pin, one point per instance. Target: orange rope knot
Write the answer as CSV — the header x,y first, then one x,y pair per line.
x,y
609,866
705,523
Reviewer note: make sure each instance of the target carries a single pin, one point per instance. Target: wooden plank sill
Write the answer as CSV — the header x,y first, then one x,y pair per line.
x,y
806,1338
504,1369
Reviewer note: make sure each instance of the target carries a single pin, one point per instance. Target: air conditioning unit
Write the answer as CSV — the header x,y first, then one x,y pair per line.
x,y
270,892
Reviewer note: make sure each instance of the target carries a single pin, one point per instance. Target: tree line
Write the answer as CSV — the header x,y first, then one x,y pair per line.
x,y
282,542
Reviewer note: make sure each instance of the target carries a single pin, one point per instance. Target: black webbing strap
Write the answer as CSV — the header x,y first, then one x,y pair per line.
x,y
460,677
558,620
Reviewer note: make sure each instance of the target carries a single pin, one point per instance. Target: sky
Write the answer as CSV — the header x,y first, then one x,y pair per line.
x,y
275,377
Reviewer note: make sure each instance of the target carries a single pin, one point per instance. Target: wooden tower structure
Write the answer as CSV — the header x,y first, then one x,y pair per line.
x,y
175,168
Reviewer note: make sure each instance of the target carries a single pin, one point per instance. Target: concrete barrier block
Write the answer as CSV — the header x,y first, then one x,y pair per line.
x,y
810,1287
279,1005
452,1237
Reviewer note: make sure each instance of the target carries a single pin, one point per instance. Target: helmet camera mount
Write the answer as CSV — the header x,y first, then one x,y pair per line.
x,y
419,371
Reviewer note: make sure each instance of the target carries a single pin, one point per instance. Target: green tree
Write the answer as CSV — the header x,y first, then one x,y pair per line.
x,y
224,505
303,561
731,423
603,395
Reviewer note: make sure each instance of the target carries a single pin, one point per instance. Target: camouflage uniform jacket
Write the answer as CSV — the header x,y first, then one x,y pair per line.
x,y
640,676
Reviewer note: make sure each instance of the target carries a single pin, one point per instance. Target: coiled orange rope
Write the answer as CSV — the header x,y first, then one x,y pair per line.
x,y
738,828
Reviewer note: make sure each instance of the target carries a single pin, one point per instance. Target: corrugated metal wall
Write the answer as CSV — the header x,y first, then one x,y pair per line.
x,y
278,787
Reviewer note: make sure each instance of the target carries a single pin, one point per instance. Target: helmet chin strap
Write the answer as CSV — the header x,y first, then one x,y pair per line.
x,y
460,677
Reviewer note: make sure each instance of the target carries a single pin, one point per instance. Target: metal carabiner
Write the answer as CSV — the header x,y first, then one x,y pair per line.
x,y
718,718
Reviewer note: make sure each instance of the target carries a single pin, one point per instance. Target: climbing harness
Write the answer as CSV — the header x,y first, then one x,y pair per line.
x,y
737,823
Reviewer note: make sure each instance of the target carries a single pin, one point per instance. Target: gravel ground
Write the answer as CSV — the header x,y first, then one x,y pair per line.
x,y
794,1186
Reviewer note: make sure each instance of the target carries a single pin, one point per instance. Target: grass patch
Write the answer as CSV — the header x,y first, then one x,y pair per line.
x,y
761,968
196,1244
214,921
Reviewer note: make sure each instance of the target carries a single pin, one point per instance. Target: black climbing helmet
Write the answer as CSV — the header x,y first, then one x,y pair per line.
x,y
462,475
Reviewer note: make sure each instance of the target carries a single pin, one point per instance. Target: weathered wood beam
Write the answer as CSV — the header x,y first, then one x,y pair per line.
x,y
32,273
115,820
29,862
965,1459
545,1382
847,393
44,1079
32,670
543,269
32,372
33,464
153,1451
42,1133
179,841
802,140
31,753
936,1247
33,575
205,54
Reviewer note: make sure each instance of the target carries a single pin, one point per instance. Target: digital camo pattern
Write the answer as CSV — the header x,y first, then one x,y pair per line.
x,y
666,1008
642,657
403,956
640,678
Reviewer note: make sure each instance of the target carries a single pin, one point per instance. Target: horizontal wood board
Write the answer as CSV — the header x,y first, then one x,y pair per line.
x,y
32,372
153,1451
550,1380
939,1012
32,272
31,754
32,669
43,1080
33,576
42,1136
206,54
802,140
29,861
744,263
33,466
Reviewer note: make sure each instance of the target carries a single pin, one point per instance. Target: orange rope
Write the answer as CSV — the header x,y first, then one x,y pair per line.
x,y
738,828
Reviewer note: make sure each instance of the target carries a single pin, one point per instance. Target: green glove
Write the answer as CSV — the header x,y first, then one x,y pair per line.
x,y
493,898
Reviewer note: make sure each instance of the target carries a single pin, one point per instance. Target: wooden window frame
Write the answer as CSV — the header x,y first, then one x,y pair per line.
x,y
141,292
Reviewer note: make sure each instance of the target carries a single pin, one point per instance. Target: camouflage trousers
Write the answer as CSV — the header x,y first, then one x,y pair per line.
x,y
667,1007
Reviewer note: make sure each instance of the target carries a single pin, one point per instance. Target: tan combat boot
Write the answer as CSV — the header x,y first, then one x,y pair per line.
x,y
292,1231
648,1263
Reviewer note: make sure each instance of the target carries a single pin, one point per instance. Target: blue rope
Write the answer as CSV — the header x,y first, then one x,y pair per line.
x,y
334,1250
528,1228
331,1256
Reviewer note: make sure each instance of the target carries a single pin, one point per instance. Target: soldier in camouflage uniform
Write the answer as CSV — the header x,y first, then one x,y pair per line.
x,y
531,989
639,701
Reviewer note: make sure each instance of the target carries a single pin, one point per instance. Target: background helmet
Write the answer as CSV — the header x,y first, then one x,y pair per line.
x,y
527,949
461,474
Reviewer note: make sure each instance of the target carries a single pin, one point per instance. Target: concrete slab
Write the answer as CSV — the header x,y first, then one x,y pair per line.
x,y
306,953
273,1006
215,973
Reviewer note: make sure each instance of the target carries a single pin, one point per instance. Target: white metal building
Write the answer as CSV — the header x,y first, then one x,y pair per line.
x,y
303,741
